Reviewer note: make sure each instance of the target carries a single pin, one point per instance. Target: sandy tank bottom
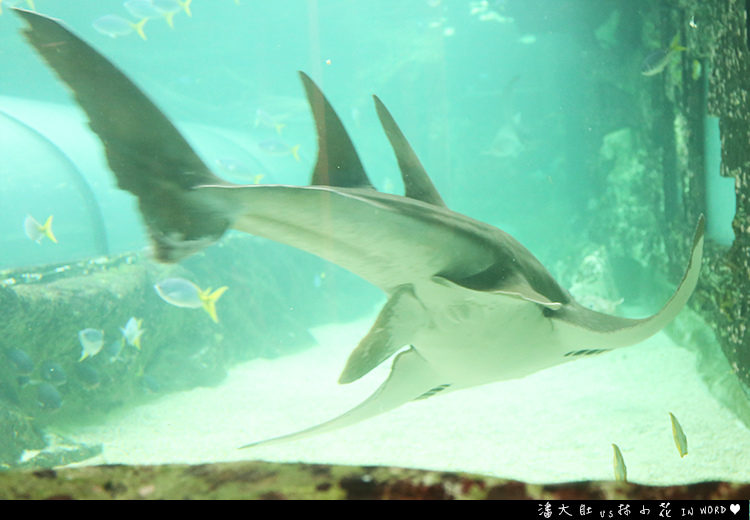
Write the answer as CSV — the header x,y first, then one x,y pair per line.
x,y
555,426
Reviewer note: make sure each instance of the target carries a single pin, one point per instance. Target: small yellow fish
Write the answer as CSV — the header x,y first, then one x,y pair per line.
x,y
132,332
679,436
184,293
621,472
36,231
658,60
279,148
697,70
92,341
264,118
115,26
141,9
169,8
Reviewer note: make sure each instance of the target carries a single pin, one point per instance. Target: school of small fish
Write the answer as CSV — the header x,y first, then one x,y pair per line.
x,y
142,11
178,292
175,291
52,375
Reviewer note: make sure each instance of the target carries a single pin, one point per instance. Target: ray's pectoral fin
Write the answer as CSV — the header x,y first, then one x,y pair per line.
x,y
393,329
411,378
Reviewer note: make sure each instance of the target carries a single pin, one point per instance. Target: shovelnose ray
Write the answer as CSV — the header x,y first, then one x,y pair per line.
x,y
467,304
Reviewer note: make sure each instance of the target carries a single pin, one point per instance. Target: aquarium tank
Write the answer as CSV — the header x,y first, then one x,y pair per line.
x,y
508,238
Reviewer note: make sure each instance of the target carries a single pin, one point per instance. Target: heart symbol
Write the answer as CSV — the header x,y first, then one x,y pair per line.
x,y
734,508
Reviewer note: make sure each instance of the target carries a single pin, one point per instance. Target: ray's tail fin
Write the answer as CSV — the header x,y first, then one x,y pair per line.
x,y
623,332
147,154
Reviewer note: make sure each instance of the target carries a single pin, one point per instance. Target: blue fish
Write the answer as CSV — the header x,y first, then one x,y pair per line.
x,y
48,398
53,373
20,361
113,350
87,375
150,384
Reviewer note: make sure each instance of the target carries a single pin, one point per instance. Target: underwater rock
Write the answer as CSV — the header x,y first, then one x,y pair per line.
x,y
274,481
725,296
655,166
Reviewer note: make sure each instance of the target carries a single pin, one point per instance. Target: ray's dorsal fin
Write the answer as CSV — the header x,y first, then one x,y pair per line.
x,y
417,183
338,163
